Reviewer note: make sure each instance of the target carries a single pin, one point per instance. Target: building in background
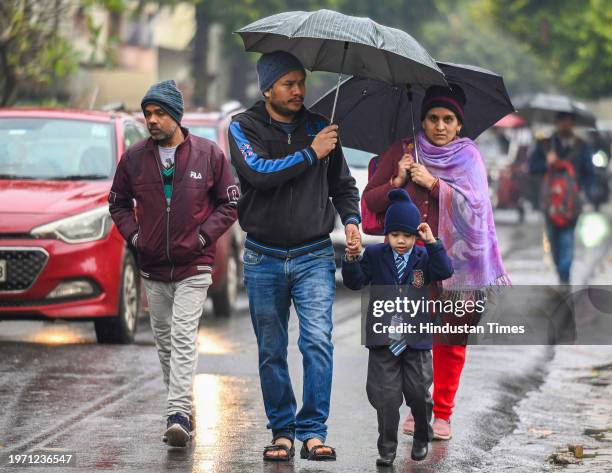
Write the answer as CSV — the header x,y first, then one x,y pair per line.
x,y
122,54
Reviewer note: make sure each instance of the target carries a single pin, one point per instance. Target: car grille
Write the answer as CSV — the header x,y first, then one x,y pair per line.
x,y
23,265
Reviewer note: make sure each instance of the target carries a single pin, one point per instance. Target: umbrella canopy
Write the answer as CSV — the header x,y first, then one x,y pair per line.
x,y
513,120
371,114
322,38
543,108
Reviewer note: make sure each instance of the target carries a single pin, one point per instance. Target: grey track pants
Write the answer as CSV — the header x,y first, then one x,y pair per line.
x,y
175,309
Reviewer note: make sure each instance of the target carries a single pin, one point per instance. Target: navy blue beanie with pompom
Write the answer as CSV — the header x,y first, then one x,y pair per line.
x,y
402,215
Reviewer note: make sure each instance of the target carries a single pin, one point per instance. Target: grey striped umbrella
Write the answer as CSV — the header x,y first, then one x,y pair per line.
x,y
329,41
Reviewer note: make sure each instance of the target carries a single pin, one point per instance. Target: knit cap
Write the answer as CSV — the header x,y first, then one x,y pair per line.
x,y
273,66
402,215
452,98
167,95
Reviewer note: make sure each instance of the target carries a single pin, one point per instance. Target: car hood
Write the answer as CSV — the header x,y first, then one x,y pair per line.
x,y
361,178
25,204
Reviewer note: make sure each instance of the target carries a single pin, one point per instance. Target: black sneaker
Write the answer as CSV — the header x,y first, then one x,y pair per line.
x,y
192,420
178,431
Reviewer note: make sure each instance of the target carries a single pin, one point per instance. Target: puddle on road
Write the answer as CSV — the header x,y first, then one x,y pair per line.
x,y
49,334
58,336
207,400
212,343
220,403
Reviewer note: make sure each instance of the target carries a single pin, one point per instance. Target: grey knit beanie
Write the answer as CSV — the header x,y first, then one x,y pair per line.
x,y
273,66
167,96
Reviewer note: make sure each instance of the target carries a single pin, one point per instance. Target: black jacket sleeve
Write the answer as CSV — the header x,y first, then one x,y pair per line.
x,y
586,173
342,188
537,159
256,166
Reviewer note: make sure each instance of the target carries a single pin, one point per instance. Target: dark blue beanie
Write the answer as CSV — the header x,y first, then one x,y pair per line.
x,y
167,96
273,66
402,215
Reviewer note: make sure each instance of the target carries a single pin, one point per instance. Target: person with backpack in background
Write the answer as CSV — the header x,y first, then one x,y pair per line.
x,y
565,162
449,187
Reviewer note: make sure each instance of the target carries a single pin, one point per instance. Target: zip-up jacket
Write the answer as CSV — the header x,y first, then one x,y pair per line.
x,y
177,240
288,195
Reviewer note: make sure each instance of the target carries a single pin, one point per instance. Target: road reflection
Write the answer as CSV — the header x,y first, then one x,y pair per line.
x,y
57,335
210,343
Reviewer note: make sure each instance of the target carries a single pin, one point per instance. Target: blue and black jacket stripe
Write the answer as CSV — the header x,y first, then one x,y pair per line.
x,y
289,197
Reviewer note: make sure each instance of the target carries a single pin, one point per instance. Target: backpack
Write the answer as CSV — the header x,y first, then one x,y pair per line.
x,y
372,223
560,200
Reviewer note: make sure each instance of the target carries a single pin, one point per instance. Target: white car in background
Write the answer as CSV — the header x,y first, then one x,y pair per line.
x,y
358,164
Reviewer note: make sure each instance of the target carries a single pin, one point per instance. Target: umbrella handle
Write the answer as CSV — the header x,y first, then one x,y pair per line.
x,y
416,148
346,45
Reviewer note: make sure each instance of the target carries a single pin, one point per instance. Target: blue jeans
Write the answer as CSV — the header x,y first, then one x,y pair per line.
x,y
272,283
562,247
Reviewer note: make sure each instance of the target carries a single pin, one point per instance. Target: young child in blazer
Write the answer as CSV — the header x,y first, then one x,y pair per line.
x,y
399,369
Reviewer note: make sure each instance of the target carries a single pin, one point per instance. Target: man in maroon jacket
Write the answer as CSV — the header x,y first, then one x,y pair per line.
x,y
186,199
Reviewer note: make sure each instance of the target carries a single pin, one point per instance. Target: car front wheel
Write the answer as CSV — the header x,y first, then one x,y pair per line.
x,y
121,329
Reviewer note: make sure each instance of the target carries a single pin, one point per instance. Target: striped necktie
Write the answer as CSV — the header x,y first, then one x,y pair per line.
x,y
399,346
400,264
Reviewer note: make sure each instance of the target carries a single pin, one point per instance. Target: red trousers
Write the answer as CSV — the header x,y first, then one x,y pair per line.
x,y
448,361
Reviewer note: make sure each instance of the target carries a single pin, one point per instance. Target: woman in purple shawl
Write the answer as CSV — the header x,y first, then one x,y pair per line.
x,y
449,186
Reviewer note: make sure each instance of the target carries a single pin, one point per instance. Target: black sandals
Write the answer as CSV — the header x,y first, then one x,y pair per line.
x,y
313,453
274,447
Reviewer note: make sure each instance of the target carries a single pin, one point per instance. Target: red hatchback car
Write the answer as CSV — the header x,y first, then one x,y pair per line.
x,y
61,257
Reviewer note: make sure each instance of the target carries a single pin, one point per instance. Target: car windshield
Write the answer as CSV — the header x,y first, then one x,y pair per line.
x,y
204,131
356,158
56,149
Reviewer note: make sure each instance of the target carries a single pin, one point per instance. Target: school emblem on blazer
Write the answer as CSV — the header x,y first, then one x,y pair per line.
x,y
418,280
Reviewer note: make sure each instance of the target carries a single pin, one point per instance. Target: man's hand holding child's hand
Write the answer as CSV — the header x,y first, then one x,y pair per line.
x,y
353,242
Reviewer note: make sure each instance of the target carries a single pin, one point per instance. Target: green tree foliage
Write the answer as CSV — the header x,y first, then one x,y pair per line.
x,y
572,38
32,52
465,33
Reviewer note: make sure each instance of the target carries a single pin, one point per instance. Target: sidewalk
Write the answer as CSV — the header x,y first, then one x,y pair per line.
x,y
573,406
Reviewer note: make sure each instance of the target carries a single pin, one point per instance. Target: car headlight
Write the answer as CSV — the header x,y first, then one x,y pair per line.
x,y
600,159
88,226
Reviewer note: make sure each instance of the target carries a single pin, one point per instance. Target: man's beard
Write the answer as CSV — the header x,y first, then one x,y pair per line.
x,y
161,135
282,110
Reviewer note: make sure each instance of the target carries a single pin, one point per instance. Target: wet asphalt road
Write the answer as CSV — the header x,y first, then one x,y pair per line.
x,y
60,390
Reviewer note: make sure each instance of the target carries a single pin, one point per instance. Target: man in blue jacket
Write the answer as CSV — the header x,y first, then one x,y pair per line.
x,y
399,366
294,181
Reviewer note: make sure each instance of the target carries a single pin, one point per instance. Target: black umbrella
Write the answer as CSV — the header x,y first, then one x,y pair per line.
x,y
329,41
372,114
543,108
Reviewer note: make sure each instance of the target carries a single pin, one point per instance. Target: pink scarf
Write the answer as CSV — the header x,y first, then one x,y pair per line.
x,y
466,225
